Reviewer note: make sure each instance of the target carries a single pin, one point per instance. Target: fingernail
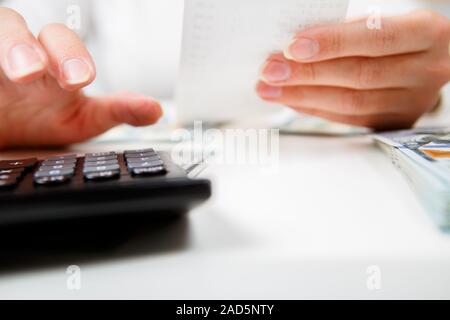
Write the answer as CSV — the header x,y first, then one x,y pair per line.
x,y
276,71
269,92
302,49
76,71
24,60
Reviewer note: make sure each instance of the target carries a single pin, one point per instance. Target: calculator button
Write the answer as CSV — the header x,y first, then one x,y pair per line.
x,y
57,167
18,171
100,163
59,162
12,164
100,154
149,171
63,157
8,183
134,165
104,175
140,155
145,159
101,168
9,176
53,173
102,158
52,180
149,150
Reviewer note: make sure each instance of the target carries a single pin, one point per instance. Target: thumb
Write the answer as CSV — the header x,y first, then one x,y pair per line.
x,y
103,113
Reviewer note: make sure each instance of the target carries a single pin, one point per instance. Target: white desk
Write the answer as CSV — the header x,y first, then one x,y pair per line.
x,y
335,207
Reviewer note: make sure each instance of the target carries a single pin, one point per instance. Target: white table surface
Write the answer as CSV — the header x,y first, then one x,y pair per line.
x,y
335,207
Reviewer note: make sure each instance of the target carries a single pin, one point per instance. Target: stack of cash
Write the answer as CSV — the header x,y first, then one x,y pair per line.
x,y
423,156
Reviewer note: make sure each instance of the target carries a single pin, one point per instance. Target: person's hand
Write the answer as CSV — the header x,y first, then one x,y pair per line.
x,y
41,102
382,79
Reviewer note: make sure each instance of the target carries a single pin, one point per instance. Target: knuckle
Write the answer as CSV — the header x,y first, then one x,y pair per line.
x,y
294,95
333,43
369,72
352,101
307,72
386,37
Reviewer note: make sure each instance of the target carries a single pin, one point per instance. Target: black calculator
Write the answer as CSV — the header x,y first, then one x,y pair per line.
x,y
70,186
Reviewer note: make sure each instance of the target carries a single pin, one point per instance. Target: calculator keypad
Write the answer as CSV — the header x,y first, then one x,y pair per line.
x,y
101,158
100,154
65,157
131,152
12,171
56,170
89,169
7,176
13,164
8,183
43,172
51,180
101,163
144,162
140,155
149,171
102,175
99,166
9,179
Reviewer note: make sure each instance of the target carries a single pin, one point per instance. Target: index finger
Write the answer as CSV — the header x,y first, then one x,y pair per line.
x,y
410,33
22,58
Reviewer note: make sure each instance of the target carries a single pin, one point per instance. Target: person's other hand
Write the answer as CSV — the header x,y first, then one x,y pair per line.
x,y
41,101
382,79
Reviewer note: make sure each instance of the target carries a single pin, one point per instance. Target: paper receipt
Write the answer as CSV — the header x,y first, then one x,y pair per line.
x,y
225,43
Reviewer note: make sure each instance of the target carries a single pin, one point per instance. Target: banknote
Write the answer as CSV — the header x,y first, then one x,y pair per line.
x,y
429,147
423,156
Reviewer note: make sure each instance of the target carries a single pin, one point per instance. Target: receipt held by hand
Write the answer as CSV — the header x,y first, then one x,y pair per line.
x,y
225,43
